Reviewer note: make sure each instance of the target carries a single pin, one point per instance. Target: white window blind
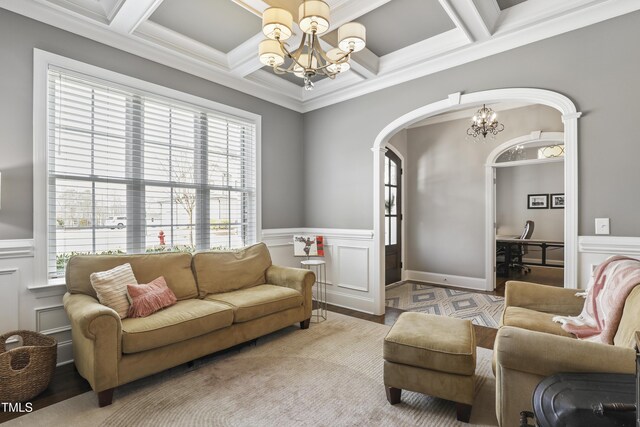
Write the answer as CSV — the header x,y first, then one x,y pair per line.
x,y
133,172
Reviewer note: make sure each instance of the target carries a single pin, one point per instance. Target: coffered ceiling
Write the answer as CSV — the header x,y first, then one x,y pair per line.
x,y
406,39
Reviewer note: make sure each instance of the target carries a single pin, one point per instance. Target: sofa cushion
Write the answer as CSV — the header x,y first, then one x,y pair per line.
x,y
258,301
533,321
224,271
183,320
630,321
111,287
174,266
148,298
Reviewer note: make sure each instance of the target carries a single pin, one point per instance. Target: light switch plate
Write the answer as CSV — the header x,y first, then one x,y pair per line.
x,y
602,225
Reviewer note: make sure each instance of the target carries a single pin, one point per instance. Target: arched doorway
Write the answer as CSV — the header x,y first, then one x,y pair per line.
x,y
495,159
535,96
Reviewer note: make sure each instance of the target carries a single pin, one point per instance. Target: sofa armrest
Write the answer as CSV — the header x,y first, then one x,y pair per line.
x,y
544,298
83,310
299,279
545,354
97,337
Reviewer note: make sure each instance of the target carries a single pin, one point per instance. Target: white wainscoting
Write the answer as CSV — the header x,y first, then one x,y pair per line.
x,y
595,249
24,304
349,258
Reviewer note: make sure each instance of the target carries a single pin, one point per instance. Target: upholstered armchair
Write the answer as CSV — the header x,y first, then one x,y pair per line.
x,y
530,346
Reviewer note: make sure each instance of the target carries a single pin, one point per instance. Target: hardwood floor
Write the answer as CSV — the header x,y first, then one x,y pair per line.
x,y
551,276
68,383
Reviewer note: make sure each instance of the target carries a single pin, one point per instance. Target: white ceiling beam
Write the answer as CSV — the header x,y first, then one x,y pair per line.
x,y
424,50
133,13
489,12
254,6
163,36
243,59
351,10
366,64
466,16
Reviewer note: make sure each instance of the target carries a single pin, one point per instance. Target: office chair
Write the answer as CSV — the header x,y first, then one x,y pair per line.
x,y
516,261
517,254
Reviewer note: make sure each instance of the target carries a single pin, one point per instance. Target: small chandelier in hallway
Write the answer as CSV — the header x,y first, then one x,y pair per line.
x,y
484,122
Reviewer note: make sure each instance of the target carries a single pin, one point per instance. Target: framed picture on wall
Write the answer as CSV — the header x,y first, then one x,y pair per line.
x,y
557,201
538,201
308,245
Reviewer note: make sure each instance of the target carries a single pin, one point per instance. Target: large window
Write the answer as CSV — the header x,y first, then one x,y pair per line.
x,y
133,172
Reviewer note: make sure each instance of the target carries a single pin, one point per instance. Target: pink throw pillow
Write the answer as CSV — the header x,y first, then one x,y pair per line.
x,y
149,298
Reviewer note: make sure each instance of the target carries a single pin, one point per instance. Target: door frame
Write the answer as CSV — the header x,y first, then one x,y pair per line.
x,y
403,204
455,100
490,196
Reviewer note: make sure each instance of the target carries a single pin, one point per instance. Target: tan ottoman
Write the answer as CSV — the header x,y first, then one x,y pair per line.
x,y
434,355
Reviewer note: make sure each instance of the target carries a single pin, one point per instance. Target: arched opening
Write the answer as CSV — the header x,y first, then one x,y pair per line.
x,y
500,156
538,96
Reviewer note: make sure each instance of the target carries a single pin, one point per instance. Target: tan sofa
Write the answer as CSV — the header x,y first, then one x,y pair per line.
x,y
224,298
530,347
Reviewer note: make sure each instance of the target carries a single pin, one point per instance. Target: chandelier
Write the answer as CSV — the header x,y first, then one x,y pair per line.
x,y
484,122
309,59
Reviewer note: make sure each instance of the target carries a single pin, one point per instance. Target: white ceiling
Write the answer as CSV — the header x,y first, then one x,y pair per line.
x,y
505,4
218,39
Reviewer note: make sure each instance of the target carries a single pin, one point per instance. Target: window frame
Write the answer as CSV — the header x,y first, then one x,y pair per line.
x,y
42,61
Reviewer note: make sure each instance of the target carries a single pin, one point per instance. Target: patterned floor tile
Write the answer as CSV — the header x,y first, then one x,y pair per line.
x,y
481,309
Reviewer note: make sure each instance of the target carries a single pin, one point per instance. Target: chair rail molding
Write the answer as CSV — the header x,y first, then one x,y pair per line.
x,y
531,95
595,249
16,248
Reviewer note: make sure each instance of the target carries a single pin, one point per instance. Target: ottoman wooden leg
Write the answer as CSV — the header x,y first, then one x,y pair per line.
x,y
393,394
463,412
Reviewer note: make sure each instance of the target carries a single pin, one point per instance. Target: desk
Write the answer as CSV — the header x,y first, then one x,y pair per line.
x,y
509,243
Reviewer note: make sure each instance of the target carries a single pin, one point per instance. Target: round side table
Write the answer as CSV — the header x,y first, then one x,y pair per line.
x,y
319,290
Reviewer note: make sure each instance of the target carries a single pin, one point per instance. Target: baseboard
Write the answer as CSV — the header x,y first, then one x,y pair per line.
x,y
65,353
474,283
353,302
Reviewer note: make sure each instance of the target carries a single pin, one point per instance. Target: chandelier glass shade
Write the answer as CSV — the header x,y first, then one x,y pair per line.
x,y
484,122
309,59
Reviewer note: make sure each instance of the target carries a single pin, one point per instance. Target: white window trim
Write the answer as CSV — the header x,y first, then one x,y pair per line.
x,y
42,60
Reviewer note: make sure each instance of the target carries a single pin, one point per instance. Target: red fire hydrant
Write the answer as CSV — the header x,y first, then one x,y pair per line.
x,y
161,237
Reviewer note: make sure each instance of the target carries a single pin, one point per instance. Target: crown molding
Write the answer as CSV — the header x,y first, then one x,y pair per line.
x,y
145,49
600,10
168,38
239,69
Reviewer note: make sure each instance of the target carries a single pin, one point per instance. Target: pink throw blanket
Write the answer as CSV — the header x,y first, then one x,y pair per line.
x,y
612,282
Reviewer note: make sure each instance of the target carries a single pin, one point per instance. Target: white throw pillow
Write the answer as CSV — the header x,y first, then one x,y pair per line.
x,y
111,287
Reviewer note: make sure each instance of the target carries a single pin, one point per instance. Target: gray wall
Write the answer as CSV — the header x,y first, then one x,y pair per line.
x,y
399,143
445,191
513,184
282,169
596,67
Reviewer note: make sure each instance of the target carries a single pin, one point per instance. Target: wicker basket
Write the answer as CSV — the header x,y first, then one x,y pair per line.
x,y
27,370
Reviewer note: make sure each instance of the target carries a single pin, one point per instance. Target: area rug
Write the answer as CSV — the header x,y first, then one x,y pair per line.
x,y
327,375
481,309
